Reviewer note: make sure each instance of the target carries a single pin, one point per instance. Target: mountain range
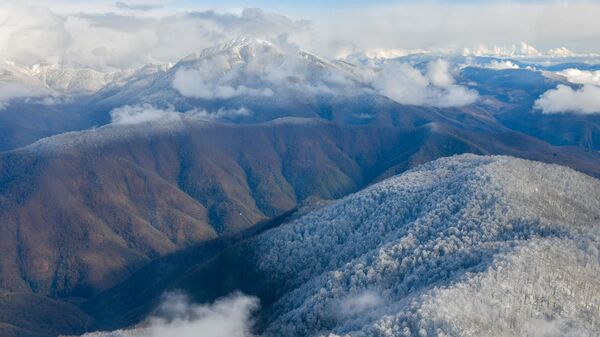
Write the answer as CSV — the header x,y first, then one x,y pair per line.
x,y
152,178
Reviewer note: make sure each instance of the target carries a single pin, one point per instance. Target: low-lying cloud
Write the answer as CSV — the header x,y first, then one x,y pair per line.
x,y
198,83
222,113
501,65
136,114
217,77
564,99
358,303
12,90
575,75
256,67
178,317
143,113
436,86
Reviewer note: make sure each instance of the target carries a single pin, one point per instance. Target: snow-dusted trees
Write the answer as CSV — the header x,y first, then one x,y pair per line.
x,y
459,247
464,246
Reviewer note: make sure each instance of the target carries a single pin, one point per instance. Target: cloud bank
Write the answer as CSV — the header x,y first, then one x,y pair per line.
x,y
564,99
434,87
122,39
453,25
256,67
204,83
264,66
574,75
125,33
10,91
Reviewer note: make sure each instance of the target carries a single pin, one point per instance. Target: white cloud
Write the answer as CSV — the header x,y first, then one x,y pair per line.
x,y
563,99
501,65
255,67
408,85
12,90
205,83
29,33
137,7
560,52
128,33
104,40
178,317
227,317
451,25
439,73
581,76
357,304
523,50
136,114
528,50
221,113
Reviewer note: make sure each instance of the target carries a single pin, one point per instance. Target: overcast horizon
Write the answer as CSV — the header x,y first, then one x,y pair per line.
x,y
122,34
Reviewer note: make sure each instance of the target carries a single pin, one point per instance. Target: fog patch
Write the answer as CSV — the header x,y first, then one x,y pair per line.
x,y
204,83
136,114
177,316
555,328
222,113
10,91
356,304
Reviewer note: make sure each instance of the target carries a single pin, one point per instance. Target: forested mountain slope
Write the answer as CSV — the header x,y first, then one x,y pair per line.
x,y
462,246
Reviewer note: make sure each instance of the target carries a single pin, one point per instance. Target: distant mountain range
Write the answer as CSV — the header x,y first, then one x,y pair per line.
x,y
271,81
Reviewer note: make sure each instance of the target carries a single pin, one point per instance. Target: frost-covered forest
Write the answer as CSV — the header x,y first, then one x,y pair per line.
x,y
462,246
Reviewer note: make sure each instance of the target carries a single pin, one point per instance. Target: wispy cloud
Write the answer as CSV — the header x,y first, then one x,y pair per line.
x,y
14,90
222,113
357,304
177,316
127,115
205,83
138,7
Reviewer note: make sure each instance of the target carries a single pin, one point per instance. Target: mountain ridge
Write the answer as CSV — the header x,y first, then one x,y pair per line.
x,y
460,232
